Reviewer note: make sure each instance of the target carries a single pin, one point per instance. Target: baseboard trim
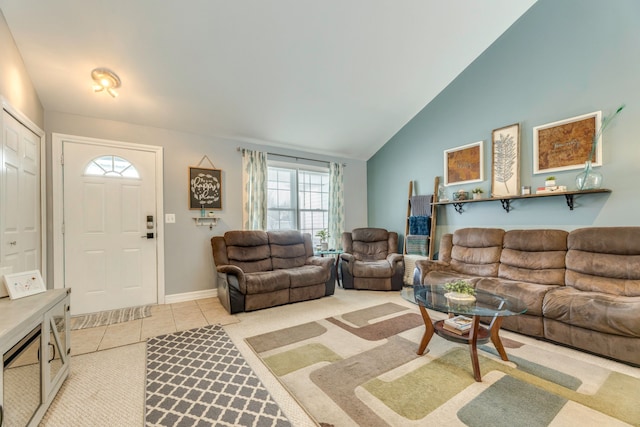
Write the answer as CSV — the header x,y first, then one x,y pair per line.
x,y
190,296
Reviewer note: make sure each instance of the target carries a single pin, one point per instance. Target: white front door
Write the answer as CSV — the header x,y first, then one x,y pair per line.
x,y
20,219
110,226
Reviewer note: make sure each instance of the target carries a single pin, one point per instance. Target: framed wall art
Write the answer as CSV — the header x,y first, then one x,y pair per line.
x,y
463,164
205,188
566,144
23,284
505,161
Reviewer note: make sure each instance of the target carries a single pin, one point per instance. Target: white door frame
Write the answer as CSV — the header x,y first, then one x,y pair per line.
x,y
58,202
22,118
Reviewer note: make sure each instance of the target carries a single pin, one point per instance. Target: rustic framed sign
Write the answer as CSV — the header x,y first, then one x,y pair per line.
x,y
463,164
505,161
205,188
566,144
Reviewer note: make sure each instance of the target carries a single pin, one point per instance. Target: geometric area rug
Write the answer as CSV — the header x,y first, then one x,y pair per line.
x,y
199,378
361,368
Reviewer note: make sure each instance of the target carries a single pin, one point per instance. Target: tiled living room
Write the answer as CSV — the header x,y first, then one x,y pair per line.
x,y
146,117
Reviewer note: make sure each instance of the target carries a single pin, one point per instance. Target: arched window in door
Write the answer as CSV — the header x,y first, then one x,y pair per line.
x,y
111,166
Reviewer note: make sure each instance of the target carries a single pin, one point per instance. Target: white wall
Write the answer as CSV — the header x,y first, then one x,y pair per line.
x,y
15,83
188,260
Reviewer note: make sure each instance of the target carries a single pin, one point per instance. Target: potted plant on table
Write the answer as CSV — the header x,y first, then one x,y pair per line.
x,y
323,235
460,292
550,181
477,193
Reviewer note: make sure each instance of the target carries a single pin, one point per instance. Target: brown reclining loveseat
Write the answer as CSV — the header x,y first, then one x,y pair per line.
x,y
260,269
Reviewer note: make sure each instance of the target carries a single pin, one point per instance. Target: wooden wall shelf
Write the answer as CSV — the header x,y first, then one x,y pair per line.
x,y
506,201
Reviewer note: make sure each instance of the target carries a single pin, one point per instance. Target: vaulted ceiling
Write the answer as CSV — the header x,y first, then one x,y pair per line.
x,y
338,77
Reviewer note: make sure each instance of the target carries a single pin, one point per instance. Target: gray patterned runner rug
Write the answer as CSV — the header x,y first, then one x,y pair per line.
x,y
199,378
110,317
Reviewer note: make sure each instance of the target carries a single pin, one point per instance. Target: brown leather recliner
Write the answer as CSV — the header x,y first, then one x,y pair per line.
x,y
371,260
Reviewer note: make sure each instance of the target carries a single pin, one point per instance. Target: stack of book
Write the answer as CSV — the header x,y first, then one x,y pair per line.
x,y
460,325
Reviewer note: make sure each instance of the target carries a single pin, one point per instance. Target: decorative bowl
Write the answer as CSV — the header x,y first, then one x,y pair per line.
x,y
459,298
460,195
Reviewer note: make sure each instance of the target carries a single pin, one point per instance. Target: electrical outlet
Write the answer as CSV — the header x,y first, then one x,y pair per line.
x,y
170,218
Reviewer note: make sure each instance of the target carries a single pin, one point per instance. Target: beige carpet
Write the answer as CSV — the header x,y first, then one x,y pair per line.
x,y
104,388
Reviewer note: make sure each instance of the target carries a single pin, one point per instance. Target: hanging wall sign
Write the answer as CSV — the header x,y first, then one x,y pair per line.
x,y
205,188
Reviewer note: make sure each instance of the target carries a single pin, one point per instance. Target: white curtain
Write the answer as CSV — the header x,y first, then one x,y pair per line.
x,y
336,204
254,195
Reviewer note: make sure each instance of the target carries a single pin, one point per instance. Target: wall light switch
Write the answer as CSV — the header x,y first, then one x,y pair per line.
x,y
170,218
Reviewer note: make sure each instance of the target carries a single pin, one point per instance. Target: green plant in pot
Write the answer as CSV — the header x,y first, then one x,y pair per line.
x,y
323,235
460,292
477,193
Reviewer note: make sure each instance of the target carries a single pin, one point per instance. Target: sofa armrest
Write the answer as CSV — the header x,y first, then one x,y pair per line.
x,y
320,261
348,260
234,271
427,265
394,258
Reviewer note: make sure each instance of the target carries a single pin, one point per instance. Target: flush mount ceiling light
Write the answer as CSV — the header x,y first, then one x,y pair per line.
x,y
106,80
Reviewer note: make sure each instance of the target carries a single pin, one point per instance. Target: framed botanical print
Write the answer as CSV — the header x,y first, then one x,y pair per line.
x,y
505,161
566,144
463,164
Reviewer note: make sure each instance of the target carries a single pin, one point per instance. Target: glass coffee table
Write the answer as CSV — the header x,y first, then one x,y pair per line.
x,y
486,305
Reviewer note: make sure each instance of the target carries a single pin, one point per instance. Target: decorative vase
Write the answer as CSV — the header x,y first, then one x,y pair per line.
x,y
588,179
324,246
459,298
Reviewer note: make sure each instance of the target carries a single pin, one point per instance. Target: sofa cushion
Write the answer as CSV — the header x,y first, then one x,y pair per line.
x,y
287,249
266,281
536,256
604,259
610,314
308,275
371,244
380,269
476,251
532,294
248,250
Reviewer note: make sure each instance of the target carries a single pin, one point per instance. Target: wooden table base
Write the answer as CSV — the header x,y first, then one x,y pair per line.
x,y
478,334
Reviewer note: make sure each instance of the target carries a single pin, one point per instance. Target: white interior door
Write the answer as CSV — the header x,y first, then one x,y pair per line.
x,y
110,249
20,239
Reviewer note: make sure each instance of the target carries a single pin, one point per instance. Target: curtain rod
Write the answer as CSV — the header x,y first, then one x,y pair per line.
x,y
297,158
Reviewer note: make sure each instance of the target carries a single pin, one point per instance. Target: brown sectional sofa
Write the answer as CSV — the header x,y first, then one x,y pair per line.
x,y
259,269
581,288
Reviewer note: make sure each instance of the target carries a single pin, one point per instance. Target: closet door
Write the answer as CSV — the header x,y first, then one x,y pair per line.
x,y
20,236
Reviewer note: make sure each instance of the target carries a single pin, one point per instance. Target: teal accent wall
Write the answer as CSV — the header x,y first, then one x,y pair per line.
x,y
561,59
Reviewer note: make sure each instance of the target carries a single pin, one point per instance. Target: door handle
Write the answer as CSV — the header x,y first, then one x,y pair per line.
x,y
147,236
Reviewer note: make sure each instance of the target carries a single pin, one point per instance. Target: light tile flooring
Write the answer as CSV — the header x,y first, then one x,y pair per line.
x,y
164,319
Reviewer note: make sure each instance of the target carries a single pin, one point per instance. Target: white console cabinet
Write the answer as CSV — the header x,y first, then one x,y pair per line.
x,y
35,348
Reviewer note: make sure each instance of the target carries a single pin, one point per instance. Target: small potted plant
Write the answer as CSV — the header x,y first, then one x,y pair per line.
x,y
477,193
550,181
460,292
323,235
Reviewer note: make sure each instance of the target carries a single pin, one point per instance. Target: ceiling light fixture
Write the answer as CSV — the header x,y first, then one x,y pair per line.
x,y
106,80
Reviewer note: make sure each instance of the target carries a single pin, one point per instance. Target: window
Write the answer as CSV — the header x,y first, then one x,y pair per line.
x,y
298,199
111,166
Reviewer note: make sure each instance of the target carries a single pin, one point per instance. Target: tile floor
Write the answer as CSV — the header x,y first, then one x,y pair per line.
x,y
164,319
